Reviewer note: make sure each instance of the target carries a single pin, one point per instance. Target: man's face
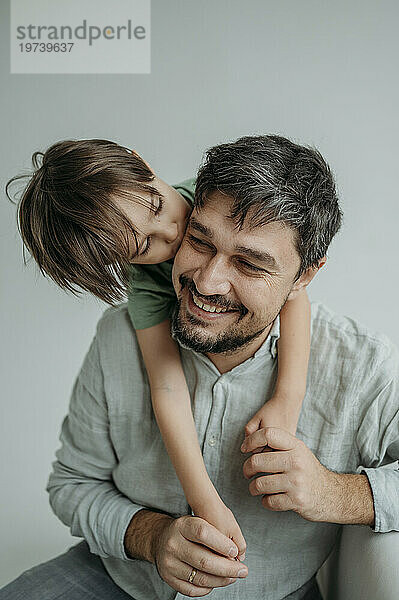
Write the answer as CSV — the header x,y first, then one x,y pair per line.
x,y
246,274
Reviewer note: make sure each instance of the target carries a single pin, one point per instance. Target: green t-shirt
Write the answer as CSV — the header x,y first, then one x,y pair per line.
x,y
151,296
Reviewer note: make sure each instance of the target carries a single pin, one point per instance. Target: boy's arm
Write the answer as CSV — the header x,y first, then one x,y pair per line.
x,y
293,350
172,408
283,408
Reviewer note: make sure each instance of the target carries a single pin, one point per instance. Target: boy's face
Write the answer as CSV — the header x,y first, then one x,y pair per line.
x,y
160,222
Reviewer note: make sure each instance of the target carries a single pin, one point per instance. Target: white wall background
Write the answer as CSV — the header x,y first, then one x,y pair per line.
x,y
320,72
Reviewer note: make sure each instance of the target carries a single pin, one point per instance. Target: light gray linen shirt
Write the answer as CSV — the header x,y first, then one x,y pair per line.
x,y
112,461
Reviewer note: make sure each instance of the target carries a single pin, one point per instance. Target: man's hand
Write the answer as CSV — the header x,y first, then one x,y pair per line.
x,y
189,543
299,482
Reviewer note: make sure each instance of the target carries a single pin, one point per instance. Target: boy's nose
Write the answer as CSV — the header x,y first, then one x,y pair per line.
x,y
170,232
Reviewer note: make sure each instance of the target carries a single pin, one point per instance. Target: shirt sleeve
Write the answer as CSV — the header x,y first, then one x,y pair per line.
x,y
81,489
151,297
378,440
187,189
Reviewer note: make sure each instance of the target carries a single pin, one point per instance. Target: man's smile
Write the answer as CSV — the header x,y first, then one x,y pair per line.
x,y
206,311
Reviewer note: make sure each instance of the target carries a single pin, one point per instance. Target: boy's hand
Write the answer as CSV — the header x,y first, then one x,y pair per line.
x,y
277,412
215,512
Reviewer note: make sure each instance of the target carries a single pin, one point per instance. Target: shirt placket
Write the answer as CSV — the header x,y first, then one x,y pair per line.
x,y
213,431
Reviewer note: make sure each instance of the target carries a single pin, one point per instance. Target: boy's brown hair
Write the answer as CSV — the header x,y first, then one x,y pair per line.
x,y
69,222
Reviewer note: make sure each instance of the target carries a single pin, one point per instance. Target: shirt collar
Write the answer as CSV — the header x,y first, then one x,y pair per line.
x,y
270,343
274,335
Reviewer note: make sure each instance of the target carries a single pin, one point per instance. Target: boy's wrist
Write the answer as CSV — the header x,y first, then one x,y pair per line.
x,y
292,400
202,500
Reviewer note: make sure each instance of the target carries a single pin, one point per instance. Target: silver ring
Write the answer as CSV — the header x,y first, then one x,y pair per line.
x,y
192,575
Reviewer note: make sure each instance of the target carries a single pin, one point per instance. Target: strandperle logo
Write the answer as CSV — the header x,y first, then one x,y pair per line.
x,y
80,36
81,32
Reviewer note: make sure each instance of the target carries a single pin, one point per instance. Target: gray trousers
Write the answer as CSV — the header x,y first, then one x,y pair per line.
x,y
76,575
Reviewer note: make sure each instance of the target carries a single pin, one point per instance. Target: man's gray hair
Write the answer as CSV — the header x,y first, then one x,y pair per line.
x,y
273,179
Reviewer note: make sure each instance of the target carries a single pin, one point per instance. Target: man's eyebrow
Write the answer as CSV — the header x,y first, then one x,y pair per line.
x,y
194,224
259,255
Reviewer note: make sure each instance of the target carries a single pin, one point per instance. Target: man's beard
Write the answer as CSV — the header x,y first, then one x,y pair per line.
x,y
225,342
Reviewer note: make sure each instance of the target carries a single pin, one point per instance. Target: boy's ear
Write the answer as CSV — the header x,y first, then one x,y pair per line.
x,y
306,278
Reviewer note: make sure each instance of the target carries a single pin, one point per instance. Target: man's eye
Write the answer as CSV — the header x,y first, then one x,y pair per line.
x,y
251,267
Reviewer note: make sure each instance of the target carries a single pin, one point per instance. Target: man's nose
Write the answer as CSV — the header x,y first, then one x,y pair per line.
x,y
211,277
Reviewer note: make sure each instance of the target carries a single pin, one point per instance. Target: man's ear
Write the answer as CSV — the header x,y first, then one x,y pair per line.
x,y
306,278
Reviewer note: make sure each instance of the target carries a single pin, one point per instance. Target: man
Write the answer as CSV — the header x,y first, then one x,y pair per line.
x,y
264,216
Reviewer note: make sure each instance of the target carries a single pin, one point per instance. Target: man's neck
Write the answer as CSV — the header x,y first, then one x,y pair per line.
x,y
227,361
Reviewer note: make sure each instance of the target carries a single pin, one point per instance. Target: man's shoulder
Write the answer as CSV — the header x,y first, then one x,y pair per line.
x,y
115,327
113,314
344,338
323,318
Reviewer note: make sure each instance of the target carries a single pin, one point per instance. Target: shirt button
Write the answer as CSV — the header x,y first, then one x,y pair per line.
x,y
212,441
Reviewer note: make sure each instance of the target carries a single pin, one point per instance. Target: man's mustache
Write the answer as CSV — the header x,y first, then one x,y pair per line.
x,y
215,299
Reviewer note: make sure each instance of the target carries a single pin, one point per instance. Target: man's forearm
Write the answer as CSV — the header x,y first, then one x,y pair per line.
x,y
352,500
143,530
